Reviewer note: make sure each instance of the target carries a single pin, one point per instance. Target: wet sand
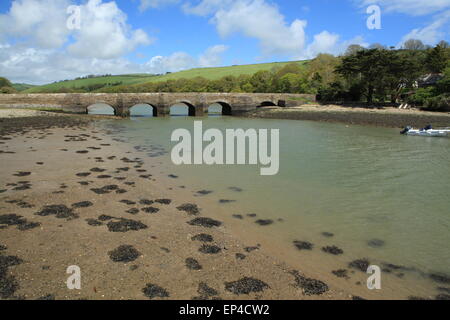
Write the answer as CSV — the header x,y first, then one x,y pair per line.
x,y
72,195
387,117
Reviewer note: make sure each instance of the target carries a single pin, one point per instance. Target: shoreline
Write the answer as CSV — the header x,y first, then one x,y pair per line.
x,y
388,117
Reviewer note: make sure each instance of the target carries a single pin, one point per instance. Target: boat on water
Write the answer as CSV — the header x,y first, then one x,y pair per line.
x,y
428,131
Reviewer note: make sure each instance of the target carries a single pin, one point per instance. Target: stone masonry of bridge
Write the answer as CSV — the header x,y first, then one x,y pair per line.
x,y
198,103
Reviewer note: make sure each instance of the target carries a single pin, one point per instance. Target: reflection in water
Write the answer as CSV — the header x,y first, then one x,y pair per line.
x,y
215,110
101,109
179,110
142,111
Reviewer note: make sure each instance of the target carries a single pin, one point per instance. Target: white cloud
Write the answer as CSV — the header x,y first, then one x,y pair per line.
x,y
262,20
175,62
256,19
38,66
326,42
36,45
410,7
41,23
212,56
432,33
181,61
104,32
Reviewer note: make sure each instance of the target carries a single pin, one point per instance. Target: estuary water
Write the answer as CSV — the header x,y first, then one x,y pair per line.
x,y
369,191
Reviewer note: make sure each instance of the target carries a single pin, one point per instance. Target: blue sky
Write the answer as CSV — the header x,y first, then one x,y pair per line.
x,y
156,36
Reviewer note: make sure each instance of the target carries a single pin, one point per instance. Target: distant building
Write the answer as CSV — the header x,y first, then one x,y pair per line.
x,y
429,80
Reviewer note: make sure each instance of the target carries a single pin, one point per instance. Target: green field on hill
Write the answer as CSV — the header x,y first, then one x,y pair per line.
x,y
220,72
112,81
22,86
79,83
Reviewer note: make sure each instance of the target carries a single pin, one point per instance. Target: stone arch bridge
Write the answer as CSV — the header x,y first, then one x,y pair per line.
x,y
198,103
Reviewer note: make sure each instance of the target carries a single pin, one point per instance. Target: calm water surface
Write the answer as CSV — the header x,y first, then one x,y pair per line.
x,y
359,183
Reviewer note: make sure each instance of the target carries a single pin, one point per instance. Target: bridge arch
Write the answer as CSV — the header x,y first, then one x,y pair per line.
x,y
101,108
182,104
224,106
267,104
143,110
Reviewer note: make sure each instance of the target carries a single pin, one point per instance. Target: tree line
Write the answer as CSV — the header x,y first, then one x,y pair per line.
x,y
6,86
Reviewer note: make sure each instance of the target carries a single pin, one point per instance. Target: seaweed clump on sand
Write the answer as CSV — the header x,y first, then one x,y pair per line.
x,y
204,192
9,261
226,201
83,174
15,220
327,234
93,222
309,286
60,211
150,210
203,237
262,222
206,291
190,208
360,264
133,211
333,250
127,202
375,243
205,222
209,249
193,264
240,256
163,201
124,253
104,217
125,225
106,189
246,285
153,291
146,202
8,283
83,204
22,174
303,245
440,277
341,273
